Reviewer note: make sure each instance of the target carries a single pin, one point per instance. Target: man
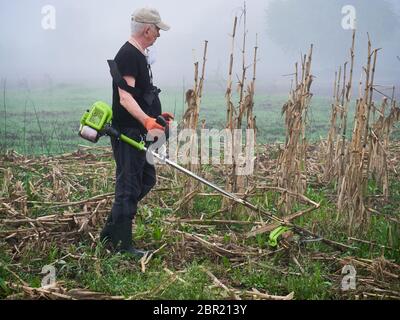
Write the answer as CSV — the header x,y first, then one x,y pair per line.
x,y
135,108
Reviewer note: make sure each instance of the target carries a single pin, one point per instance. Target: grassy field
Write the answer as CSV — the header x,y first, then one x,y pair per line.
x,y
45,201
46,121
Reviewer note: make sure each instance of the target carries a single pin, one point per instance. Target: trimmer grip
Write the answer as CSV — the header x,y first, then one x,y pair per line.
x,y
112,132
162,122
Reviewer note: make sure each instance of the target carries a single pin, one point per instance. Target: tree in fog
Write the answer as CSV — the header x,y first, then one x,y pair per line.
x,y
294,24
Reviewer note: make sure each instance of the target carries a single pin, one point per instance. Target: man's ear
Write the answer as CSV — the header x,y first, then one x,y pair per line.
x,y
147,30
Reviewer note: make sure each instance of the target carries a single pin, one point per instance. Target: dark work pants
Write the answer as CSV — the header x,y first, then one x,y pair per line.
x,y
134,176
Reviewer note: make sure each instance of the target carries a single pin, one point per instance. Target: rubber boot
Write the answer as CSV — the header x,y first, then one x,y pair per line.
x,y
107,232
121,238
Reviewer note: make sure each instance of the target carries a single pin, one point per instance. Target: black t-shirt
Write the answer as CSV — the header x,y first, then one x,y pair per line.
x,y
131,62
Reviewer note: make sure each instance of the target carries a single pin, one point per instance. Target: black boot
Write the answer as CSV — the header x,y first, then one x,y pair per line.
x,y
121,238
123,231
108,230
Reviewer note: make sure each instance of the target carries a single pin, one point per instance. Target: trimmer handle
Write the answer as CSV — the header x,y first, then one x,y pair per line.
x,y
164,123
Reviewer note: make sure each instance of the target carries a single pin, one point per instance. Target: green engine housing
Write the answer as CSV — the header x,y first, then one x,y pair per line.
x,y
98,116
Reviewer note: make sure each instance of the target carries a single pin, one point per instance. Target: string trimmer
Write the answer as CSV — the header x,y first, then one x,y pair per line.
x,y
96,123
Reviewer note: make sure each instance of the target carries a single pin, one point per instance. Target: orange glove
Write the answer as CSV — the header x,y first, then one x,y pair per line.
x,y
151,124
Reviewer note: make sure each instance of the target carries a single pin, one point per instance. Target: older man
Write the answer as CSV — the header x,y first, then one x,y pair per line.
x,y
135,108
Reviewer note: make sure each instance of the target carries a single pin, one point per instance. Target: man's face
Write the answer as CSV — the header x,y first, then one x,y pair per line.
x,y
152,33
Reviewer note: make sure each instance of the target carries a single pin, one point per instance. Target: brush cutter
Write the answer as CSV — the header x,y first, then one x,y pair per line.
x,y
96,123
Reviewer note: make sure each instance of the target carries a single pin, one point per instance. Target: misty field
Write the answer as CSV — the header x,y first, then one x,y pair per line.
x,y
46,121
53,208
317,217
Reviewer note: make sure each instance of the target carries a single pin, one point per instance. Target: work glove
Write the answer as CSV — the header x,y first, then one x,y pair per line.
x,y
151,124
154,130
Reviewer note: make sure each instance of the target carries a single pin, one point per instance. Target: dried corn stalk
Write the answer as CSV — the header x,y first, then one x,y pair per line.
x,y
353,184
235,116
191,118
335,155
291,168
379,145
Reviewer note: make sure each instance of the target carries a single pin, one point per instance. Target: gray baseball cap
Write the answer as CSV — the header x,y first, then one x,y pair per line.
x,y
149,15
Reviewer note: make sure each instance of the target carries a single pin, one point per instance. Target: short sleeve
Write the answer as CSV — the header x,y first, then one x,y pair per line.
x,y
127,63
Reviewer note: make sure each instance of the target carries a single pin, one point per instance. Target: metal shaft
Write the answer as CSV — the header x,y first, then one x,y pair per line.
x,y
215,187
245,203
198,178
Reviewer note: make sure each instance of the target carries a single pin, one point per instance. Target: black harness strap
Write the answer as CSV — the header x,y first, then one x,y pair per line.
x,y
121,82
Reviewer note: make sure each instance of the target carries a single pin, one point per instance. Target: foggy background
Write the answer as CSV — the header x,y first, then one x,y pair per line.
x,y
88,32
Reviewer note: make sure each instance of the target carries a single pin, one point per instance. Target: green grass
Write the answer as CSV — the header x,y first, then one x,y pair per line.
x,y
311,285
46,121
117,275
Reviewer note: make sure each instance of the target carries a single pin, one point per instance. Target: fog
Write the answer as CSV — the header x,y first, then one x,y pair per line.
x,y
88,32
